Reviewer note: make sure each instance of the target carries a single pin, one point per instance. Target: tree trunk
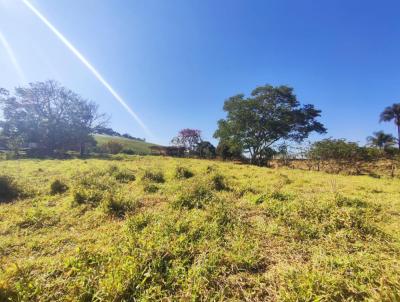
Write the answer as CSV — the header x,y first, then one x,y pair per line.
x,y
82,149
398,135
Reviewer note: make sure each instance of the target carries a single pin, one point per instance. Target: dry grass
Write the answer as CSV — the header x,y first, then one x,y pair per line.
x,y
228,232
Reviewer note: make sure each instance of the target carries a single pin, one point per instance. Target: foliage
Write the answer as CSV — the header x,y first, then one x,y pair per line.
x,y
381,140
183,173
205,150
188,138
341,153
50,118
112,147
228,150
270,114
9,189
392,113
58,187
154,176
124,175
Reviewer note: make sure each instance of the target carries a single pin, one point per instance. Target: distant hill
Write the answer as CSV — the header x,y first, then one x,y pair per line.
x,y
139,147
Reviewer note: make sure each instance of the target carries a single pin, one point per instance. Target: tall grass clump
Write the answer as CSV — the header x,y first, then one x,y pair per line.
x,y
90,187
118,204
183,173
153,176
9,189
121,175
58,187
219,182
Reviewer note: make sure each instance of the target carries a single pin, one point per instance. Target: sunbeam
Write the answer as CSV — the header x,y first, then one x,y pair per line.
x,y
89,66
13,59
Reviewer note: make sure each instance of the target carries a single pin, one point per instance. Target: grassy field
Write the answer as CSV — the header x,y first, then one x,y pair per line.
x,y
138,147
159,228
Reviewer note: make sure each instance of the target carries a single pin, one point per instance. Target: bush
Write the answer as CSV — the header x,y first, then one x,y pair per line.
x,y
154,176
150,187
341,154
218,182
227,150
58,187
117,204
124,176
8,189
182,173
112,147
128,151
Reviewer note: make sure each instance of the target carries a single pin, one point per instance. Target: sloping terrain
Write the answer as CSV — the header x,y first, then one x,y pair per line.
x,y
159,228
139,147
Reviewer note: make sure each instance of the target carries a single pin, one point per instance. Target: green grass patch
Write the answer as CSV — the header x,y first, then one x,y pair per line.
x,y
141,229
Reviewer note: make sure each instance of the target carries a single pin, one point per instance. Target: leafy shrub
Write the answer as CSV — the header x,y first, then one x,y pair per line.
x,y
112,147
154,176
58,187
182,173
128,151
341,154
9,189
218,182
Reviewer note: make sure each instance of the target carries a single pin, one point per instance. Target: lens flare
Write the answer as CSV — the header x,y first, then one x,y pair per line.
x,y
12,57
88,65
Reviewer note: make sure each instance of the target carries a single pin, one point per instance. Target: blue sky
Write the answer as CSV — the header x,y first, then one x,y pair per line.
x,y
175,62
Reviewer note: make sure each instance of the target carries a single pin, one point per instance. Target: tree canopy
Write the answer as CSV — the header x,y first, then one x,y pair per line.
x,y
48,118
269,115
381,140
392,113
188,138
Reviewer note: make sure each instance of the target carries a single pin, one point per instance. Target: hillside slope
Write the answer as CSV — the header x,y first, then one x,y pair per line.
x,y
148,228
138,147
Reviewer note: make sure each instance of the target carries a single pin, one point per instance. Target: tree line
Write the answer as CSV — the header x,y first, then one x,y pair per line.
x,y
46,118
261,126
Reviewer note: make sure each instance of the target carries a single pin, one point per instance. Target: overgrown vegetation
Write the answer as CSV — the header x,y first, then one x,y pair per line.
x,y
9,189
131,230
58,187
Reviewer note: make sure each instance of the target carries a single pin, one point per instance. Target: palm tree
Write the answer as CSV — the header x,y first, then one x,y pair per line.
x,y
392,113
381,140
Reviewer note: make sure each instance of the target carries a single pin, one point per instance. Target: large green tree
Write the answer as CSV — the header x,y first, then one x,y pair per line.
x,y
49,118
269,115
392,113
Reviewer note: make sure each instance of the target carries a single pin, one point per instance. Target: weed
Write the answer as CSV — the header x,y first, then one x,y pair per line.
x,y
218,182
58,187
124,176
9,189
149,187
119,204
183,173
154,176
